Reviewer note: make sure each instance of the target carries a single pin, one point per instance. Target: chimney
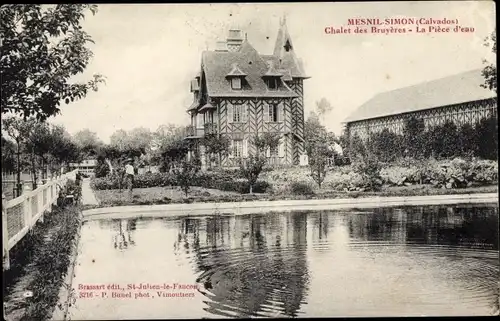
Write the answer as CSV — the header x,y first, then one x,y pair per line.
x,y
234,40
220,46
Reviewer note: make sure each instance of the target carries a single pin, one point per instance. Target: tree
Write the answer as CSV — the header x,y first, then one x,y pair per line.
x,y
43,48
490,71
444,140
323,107
140,139
318,161
19,130
386,145
414,137
8,155
251,169
88,142
185,175
487,131
216,146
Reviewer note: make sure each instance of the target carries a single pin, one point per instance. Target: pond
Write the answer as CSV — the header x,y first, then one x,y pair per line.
x,y
406,261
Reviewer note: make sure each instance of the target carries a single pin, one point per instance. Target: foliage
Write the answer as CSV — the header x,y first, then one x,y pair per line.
x,y
301,188
386,145
369,169
318,161
185,175
318,144
264,141
251,169
441,141
490,71
88,142
221,180
216,145
323,107
43,48
102,168
413,137
8,155
487,131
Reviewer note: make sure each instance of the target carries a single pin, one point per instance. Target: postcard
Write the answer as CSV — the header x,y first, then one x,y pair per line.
x,y
249,160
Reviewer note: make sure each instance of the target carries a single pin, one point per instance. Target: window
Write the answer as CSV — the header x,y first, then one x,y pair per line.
x,y
288,46
237,113
236,83
273,112
237,148
272,83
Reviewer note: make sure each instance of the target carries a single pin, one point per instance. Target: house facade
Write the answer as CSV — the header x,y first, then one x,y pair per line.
x,y
458,98
240,93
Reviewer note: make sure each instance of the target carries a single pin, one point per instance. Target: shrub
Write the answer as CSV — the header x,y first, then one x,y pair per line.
x,y
301,188
221,180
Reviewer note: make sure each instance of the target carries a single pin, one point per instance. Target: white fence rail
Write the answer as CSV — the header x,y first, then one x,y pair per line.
x,y
20,214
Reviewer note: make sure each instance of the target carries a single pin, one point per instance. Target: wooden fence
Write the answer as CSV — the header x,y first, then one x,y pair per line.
x,y
20,214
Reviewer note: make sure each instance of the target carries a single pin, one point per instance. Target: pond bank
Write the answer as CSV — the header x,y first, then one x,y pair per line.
x,y
261,206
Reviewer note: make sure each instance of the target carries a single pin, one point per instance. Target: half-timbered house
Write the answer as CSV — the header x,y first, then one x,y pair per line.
x,y
459,98
241,93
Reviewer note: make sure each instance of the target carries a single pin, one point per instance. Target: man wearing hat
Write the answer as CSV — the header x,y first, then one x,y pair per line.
x,y
129,175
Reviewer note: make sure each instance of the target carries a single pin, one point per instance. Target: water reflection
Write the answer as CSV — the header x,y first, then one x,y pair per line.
x,y
405,261
123,237
252,265
257,265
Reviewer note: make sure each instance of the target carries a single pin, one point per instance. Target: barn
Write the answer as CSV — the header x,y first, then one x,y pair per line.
x,y
459,98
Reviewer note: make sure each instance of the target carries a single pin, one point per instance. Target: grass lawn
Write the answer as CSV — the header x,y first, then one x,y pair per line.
x,y
163,195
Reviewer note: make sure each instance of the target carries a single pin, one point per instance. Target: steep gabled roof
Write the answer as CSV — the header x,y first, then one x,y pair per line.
x,y
285,53
451,90
217,65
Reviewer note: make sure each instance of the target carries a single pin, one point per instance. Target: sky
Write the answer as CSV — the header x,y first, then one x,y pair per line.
x,y
150,52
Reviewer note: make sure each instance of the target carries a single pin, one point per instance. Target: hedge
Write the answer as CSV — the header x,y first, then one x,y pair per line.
x,y
221,180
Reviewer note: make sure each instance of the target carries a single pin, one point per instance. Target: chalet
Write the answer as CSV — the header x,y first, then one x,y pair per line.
x,y
459,98
86,167
240,93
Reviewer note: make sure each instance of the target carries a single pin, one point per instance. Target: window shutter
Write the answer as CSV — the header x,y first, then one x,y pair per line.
x,y
230,113
245,148
268,151
266,112
231,149
281,148
244,113
281,112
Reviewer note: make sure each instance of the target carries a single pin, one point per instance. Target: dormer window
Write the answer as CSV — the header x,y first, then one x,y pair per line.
x,y
272,77
273,83
236,83
236,77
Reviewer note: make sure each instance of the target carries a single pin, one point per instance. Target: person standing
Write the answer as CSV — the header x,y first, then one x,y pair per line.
x,y
129,176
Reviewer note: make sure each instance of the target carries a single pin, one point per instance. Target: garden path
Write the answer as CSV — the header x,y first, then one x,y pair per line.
x,y
88,196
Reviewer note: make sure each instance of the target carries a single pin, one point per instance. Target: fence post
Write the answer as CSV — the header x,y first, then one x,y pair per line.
x,y
40,200
49,194
5,235
27,206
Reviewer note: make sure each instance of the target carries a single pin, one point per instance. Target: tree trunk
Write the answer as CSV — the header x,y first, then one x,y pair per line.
x,y
33,168
251,188
18,169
